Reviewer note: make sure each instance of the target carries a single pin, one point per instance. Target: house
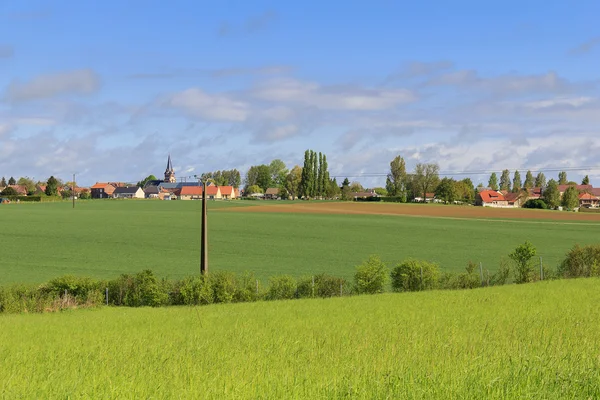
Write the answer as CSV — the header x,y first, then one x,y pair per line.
x,y
133,192
102,190
190,193
588,200
227,192
491,198
20,189
151,192
213,192
429,197
515,199
580,188
363,195
272,193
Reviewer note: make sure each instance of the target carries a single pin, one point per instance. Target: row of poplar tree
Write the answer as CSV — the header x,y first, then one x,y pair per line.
x,y
530,182
315,180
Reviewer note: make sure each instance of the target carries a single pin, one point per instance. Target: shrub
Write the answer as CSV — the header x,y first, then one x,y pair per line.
x,y
224,286
536,203
371,276
522,256
470,279
25,298
78,287
581,262
141,289
501,277
196,290
413,275
324,286
281,288
246,289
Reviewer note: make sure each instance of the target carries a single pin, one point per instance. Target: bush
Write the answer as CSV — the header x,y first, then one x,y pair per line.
x,y
246,289
522,257
141,289
224,286
281,288
413,275
324,286
536,203
371,276
581,262
501,277
75,286
24,299
196,290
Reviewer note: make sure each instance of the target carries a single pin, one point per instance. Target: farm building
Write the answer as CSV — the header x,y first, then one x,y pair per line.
x,y
491,198
272,193
102,190
134,192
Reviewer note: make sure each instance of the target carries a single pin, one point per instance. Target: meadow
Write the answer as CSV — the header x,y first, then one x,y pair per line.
x,y
103,239
535,341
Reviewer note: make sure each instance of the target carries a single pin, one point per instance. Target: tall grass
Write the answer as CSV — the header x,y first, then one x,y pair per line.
x,y
536,341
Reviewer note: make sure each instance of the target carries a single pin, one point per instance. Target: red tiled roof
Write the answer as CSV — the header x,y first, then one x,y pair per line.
x,y
99,185
489,196
595,191
227,190
191,191
212,190
581,188
587,196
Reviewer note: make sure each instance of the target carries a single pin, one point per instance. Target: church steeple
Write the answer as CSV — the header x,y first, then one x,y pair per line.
x,y
170,172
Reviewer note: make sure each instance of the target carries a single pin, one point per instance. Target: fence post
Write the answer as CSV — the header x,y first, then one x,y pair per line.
x,y
481,272
106,296
541,269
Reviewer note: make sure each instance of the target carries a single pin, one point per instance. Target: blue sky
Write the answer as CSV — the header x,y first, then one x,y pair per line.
x,y
109,89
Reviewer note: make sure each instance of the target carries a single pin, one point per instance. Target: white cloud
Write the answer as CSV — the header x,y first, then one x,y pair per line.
x,y
83,81
216,107
332,97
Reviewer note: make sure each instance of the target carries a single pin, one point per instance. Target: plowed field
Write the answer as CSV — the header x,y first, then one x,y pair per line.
x,y
425,210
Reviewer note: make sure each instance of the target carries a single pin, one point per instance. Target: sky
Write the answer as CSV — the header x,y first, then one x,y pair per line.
x,y
107,90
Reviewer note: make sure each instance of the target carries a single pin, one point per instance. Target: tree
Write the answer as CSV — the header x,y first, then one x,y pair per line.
x,y
396,179
371,276
293,180
305,182
278,172
143,182
28,183
51,187
325,177
505,180
528,184
85,195
346,182
570,198
254,189
517,184
426,178
320,188
11,181
446,190
493,182
585,181
314,170
540,180
551,194
380,191
562,178
522,257
465,191
333,189
356,187
259,175
3,182
9,192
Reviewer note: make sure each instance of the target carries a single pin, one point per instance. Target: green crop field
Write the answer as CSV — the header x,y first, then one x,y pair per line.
x,y
103,239
535,341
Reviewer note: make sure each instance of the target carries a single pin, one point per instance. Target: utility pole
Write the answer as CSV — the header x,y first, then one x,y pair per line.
x,y
73,190
204,236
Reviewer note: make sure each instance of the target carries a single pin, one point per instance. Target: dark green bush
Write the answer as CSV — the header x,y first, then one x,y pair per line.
x,y
502,276
536,203
281,288
413,275
224,286
324,286
246,288
371,276
141,289
78,287
581,262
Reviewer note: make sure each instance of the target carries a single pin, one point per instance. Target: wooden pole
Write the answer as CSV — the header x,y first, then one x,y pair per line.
x,y
73,190
204,238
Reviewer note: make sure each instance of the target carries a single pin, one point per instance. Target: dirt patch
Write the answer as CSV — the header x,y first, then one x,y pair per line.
x,y
425,210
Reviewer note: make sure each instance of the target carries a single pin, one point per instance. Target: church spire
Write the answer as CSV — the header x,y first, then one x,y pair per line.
x,y
169,164
170,172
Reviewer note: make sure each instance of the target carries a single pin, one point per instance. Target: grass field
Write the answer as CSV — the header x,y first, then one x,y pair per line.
x,y
103,239
536,341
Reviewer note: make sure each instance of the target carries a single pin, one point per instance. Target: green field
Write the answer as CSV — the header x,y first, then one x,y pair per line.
x,y
535,341
103,239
